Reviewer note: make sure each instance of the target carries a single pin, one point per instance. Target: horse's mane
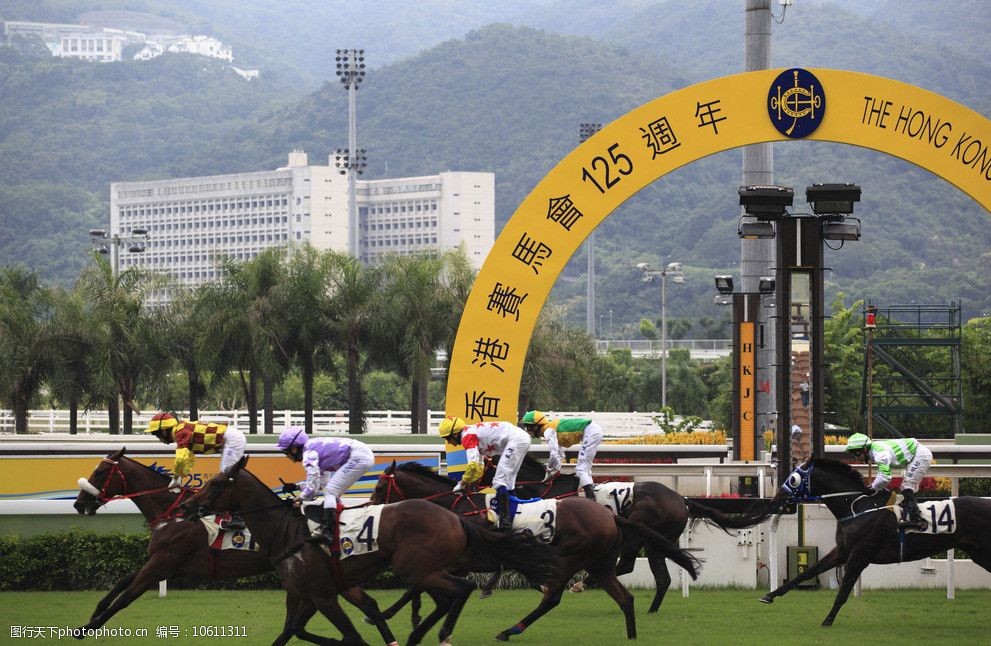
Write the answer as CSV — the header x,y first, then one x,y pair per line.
x,y
417,469
142,465
841,470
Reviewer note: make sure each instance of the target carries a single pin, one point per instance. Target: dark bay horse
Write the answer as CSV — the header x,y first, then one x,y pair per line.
x,y
663,510
867,530
420,541
587,537
177,547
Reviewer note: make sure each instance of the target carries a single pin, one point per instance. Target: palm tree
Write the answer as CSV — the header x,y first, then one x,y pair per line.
x,y
127,346
299,323
179,331
73,343
25,328
418,319
234,312
354,290
559,364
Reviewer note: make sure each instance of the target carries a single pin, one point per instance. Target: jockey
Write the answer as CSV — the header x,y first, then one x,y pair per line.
x,y
562,433
197,437
905,452
487,440
332,465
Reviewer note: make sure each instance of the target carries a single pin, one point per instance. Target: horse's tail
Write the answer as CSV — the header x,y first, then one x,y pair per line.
x,y
520,551
756,514
669,548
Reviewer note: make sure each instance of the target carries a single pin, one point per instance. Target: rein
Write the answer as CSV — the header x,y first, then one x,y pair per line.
x,y
392,486
101,494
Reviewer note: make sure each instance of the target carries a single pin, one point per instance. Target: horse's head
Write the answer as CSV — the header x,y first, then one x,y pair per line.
x,y
104,483
385,489
219,493
815,480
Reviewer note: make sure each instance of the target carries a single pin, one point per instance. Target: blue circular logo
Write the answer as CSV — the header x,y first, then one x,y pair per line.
x,y
347,546
796,103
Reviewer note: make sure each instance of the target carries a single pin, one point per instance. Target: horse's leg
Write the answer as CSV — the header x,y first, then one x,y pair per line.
x,y
362,601
824,564
331,609
110,596
623,599
854,566
298,612
629,549
489,585
552,597
159,566
450,594
457,605
662,578
412,595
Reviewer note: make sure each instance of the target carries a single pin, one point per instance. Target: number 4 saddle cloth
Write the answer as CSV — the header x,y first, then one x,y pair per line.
x,y
358,527
940,515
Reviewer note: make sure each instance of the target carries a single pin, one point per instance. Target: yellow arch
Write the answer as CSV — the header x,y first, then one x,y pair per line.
x,y
917,125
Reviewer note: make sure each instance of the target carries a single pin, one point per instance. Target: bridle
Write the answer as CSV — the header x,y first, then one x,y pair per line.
x,y
101,493
798,487
392,486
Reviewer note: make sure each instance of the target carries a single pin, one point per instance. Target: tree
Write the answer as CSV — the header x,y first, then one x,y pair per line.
x,y
126,343
843,354
73,342
559,364
299,322
354,307
179,332
418,318
25,334
975,361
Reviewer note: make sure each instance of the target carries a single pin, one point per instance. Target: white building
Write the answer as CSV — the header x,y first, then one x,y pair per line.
x,y
194,221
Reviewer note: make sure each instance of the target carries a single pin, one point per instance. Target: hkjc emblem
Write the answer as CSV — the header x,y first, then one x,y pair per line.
x,y
237,539
796,103
347,546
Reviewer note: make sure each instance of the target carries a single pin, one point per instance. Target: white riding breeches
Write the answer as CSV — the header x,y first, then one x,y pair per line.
x,y
916,469
509,463
337,482
591,438
234,443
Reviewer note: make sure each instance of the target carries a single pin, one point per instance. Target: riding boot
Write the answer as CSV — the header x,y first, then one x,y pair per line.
x,y
324,534
505,518
589,491
915,519
234,523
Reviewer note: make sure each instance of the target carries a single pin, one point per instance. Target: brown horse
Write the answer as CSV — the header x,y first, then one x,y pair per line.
x,y
651,503
313,579
176,547
586,537
867,532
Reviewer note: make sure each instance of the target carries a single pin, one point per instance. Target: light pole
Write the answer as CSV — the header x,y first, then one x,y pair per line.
x,y
585,130
676,271
110,243
351,72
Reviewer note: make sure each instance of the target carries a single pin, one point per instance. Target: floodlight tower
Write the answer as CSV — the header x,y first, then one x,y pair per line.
x,y
585,130
351,72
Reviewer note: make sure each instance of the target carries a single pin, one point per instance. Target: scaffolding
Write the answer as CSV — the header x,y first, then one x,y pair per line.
x,y
911,385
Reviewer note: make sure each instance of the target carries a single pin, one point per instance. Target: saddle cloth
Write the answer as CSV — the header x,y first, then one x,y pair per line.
x,y
616,496
538,516
941,516
358,527
219,538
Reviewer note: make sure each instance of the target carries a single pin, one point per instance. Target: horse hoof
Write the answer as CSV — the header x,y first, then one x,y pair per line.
x,y
576,588
485,594
767,599
827,623
502,637
446,642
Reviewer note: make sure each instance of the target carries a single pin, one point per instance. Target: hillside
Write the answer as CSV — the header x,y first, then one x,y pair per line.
x,y
505,99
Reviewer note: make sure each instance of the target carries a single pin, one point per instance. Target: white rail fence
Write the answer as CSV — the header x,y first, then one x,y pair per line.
x,y
378,422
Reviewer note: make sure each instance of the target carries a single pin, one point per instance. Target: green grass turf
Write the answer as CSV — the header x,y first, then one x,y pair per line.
x,y
709,616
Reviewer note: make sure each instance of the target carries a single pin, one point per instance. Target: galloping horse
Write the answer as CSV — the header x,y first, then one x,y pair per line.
x,y
313,579
587,536
652,504
176,547
867,529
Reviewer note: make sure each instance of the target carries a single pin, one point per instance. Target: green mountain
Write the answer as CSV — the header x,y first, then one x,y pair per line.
x,y
506,99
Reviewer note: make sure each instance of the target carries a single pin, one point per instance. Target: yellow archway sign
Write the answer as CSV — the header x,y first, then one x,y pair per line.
x,y
892,117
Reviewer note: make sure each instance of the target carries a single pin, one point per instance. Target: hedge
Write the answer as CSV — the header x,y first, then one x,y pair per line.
x,y
82,560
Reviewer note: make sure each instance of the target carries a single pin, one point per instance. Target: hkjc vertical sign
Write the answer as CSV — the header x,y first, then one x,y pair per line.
x,y
746,402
